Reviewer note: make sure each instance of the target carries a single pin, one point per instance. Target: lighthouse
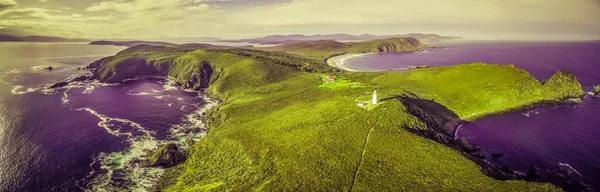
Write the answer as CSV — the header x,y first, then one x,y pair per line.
x,y
375,97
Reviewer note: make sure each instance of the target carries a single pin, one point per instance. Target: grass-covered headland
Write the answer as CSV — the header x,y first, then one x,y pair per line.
x,y
281,126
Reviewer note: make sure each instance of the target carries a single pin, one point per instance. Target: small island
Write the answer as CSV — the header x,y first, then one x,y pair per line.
x,y
596,91
289,121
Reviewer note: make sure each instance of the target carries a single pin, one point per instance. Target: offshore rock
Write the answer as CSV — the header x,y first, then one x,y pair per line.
x,y
167,155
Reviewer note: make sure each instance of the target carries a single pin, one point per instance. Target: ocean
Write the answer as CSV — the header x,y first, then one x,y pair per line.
x,y
559,139
79,138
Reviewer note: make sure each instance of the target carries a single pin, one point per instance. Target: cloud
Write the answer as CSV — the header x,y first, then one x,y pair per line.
x,y
26,13
300,12
401,16
208,1
135,5
198,7
5,4
147,18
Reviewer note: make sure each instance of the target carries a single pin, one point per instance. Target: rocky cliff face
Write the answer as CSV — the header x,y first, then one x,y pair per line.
x,y
167,155
200,79
115,69
125,69
392,45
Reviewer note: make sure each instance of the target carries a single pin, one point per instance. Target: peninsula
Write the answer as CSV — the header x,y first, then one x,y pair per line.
x,y
286,124
287,39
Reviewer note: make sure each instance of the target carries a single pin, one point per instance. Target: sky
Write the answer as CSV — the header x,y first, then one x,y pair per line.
x,y
160,19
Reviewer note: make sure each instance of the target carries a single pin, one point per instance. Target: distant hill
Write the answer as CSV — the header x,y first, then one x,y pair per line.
x,y
287,39
323,49
35,38
130,43
159,43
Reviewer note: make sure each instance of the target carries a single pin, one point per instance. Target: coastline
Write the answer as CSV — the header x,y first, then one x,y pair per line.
x,y
471,151
339,61
221,90
125,164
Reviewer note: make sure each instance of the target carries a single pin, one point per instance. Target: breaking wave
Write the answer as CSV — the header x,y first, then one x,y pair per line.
x,y
120,170
18,90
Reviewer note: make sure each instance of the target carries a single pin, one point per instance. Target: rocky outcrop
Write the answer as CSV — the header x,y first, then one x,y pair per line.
x,y
66,82
392,45
58,85
564,83
497,155
167,155
596,91
201,79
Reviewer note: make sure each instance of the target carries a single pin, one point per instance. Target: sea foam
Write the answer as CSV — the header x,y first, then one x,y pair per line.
x,y
118,170
15,90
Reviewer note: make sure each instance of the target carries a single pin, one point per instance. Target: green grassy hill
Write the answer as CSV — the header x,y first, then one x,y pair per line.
x,y
279,129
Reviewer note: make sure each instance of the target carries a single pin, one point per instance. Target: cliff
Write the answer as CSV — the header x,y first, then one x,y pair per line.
x,y
392,45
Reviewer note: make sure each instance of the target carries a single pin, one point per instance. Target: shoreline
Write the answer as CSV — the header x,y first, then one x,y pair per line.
x,y
128,159
339,61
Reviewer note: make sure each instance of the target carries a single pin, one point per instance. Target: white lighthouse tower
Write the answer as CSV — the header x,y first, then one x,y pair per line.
x,y
375,97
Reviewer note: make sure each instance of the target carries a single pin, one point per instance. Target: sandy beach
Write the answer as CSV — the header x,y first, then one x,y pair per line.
x,y
339,61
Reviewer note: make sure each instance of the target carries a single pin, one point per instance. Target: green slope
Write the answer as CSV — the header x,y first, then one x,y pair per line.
x,y
277,129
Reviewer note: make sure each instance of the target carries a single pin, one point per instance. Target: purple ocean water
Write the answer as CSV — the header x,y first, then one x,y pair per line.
x,y
562,138
78,138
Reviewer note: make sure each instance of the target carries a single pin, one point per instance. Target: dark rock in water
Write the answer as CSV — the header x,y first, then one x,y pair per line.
x,y
468,147
59,84
532,174
506,169
49,68
65,83
167,155
496,155
419,67
596,91
80,78
479,155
